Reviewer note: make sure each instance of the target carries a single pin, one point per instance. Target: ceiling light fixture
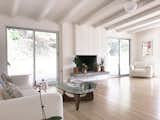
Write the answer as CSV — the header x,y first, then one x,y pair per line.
x,y
130,6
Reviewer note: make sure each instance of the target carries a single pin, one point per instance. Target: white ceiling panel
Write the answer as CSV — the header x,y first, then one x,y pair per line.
x,y
31,8
98,13
6,6
61,9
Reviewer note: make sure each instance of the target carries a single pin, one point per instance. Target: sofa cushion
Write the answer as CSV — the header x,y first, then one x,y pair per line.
x,y
11,91
28,108
139,70
22,81
29,92
2,83
14,91
6,78
5,94
1,91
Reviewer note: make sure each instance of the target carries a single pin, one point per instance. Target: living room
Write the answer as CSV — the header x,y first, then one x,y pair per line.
x,y
79,59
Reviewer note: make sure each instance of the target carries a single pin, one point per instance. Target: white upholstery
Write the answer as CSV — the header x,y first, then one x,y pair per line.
x,y
140,69
22,81
28,108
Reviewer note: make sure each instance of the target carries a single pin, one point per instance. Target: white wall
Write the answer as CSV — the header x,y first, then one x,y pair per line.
x,y
148,35
68,50
19,22
88,40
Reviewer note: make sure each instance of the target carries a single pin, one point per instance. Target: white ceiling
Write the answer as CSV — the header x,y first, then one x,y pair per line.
x,y
109,14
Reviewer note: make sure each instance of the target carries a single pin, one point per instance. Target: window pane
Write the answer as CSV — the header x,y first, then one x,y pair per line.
x,y
20,52
113,56
124,57
46,56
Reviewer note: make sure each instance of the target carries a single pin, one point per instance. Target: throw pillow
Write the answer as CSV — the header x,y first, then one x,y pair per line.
x,y
13,90
5,95
2,83
6,78
1,89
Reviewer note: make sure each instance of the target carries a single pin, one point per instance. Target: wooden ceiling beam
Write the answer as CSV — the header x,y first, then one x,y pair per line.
x,y
75,10
101,13
112,21
14,9
143,25
47,8
150,20
137,18
147,27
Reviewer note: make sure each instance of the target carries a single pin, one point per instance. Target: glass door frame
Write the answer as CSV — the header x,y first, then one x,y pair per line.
x,y
129,40
34,56
119,41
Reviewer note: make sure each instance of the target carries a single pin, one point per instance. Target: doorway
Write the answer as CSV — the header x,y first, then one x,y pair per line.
x,y
32,53
118,56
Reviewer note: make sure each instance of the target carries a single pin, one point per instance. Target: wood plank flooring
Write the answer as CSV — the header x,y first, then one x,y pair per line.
x,y
120,99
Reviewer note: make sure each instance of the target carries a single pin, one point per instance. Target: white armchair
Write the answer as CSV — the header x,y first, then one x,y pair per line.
x,y
140,69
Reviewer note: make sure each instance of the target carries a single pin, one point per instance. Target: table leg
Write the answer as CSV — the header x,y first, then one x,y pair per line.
x,y
77,101
77,98
88,97
67,98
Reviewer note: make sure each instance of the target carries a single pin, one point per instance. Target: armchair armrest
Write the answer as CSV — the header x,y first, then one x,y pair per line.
x,y
131,67
149,68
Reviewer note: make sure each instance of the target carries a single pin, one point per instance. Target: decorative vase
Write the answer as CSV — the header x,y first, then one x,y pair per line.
x,y
75,70
84,70
102,69
98,69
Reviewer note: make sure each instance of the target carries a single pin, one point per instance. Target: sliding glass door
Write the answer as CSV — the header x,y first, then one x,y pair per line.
x,y
45,56
32,53
20,52
113,56
118,56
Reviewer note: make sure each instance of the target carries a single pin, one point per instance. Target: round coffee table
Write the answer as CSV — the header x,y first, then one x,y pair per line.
x,y
80,92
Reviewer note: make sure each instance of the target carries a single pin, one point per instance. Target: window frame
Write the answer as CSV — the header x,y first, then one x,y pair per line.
x,y
34,38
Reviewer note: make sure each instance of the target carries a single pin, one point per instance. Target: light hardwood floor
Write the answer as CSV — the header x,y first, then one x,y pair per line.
x,y
120,99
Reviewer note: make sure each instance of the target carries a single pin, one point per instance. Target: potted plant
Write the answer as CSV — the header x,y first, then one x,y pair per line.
x,y
84,68
77,62
102,65
97,67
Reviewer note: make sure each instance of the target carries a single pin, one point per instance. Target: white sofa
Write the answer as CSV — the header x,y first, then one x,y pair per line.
x,y
140,69
28,107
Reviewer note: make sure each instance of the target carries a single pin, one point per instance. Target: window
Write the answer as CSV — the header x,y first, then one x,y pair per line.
x,y
118,56
32,53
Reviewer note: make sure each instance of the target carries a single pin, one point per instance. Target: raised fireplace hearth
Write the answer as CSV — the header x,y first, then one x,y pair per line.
x,y
90,76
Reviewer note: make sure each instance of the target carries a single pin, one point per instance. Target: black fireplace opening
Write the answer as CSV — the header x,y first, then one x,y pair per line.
x,y
90,61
